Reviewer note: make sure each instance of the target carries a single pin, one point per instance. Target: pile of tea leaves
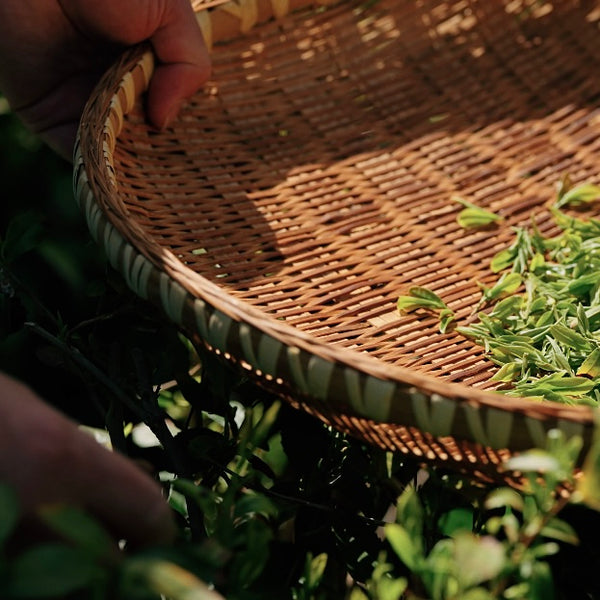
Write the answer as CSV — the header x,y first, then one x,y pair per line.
x,y
540,323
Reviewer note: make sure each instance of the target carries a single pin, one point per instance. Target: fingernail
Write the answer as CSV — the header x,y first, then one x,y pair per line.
x,y
171,115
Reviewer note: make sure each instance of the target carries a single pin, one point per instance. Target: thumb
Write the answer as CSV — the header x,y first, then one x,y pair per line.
x,y
183,63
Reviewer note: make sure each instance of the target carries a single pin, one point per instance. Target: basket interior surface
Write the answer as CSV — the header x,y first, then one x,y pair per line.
x,y
314,176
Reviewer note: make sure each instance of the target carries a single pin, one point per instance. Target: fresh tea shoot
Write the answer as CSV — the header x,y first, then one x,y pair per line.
x,y
541,320
420,297
475,216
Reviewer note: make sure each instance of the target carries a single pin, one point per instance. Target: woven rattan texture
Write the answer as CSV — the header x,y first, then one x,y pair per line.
x,y
314,176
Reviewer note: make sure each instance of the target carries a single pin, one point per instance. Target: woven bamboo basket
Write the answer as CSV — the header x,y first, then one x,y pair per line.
x,y
309,184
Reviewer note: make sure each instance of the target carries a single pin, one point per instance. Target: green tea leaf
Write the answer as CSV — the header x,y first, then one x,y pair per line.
x,y
475,216
387,588
507,308
168,579
583,323
420,297
51,571
427,294
316,569
535,460
403,545
78,527
503,497
447,317
590,367
356,593
583,284
581,194
537,262
455,520
557,356
557,386
409,512
557,529
253,504
509,283
503,259
519,591
438,571
569,337
508,372
544,550
250,562
541,584
23,233
479,558
564,185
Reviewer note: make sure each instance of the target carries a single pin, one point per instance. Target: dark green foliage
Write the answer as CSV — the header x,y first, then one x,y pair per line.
x,y
270,502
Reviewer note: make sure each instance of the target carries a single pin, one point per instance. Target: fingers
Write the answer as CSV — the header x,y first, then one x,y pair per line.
x,y
53,61
124,498
182,58
184,64
61,138
52,461
55,117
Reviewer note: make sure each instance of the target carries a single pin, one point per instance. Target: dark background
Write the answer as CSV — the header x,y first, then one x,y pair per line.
x,y
60,270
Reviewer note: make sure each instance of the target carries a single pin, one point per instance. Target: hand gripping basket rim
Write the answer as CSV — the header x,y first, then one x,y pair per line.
x,y
388,405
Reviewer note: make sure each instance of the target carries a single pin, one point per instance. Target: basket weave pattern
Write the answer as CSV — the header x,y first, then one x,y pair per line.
x,y
311,182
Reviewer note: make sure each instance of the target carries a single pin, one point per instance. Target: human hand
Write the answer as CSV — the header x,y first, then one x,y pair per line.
x,y
48,460
52,53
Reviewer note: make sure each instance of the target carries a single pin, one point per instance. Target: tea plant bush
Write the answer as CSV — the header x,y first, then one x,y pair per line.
x,y
270,502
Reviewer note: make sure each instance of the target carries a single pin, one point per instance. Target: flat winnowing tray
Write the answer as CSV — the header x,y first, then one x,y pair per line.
x,y
311,182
